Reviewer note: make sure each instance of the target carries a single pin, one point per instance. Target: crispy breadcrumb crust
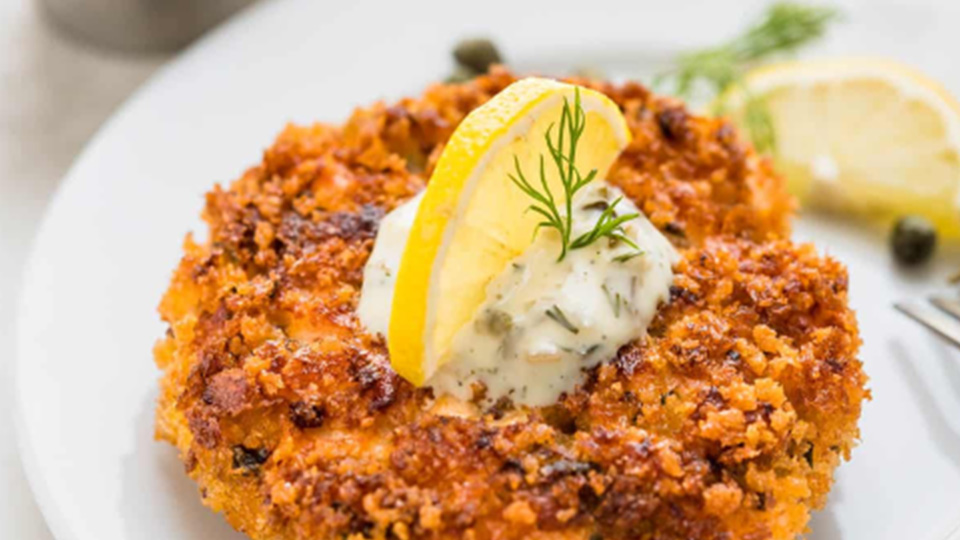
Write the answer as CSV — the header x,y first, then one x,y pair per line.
x,y
725,423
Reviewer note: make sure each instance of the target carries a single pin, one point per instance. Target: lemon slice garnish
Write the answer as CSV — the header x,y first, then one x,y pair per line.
x,y
473,220
864,136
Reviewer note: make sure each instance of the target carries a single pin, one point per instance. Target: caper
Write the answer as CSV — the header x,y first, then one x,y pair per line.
x,y
498,322
477,54
913,240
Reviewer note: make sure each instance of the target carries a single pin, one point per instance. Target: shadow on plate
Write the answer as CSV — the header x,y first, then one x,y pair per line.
x,y
153,468
824,524
942,431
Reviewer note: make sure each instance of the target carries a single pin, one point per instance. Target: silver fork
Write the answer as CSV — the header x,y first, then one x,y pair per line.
x,y
939,313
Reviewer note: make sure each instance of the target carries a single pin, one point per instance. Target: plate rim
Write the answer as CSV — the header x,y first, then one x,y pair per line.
x,y
54,515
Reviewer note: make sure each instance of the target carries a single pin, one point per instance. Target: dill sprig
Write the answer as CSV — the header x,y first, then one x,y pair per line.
x,y
783,28
609,224
615,300
563,155
560,318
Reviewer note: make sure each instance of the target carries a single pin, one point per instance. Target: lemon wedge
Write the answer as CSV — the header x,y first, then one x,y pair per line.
x,y
870,137
472,220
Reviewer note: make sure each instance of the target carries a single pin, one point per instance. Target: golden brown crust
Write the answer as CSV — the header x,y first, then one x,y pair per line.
x,y
726,423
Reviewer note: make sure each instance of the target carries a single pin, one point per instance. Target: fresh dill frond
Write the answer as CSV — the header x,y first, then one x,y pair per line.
x,y
783,28
563,155
627,256
614,299
609,225
560,318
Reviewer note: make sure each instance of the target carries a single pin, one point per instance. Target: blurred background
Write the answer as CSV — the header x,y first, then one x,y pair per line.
x,y
66,65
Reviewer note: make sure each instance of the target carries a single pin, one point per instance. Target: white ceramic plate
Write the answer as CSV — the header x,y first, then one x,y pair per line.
x,y
85,376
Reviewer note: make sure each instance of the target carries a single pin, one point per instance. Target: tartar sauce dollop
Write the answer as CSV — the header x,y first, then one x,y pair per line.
x,y
544,321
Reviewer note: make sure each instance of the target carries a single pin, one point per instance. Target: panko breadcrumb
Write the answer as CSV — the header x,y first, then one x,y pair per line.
x,y
725,423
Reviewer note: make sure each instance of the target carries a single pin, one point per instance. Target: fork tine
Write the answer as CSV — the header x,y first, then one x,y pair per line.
x,y
940,322
949,305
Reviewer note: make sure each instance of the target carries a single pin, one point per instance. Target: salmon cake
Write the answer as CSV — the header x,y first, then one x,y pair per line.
x,y
725,422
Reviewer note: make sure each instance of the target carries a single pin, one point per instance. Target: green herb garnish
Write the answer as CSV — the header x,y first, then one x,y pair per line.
x,y
560,318
607,225
627,256
783,28
614,299
563,154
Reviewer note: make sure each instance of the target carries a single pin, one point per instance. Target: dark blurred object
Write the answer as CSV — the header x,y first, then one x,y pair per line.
x,y
139,25
913,240
477,54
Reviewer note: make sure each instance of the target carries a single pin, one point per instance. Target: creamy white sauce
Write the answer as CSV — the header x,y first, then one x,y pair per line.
x,y
380,273
543,321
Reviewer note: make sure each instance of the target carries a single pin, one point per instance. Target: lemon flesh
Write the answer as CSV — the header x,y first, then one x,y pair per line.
x,y
868,137
472,220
